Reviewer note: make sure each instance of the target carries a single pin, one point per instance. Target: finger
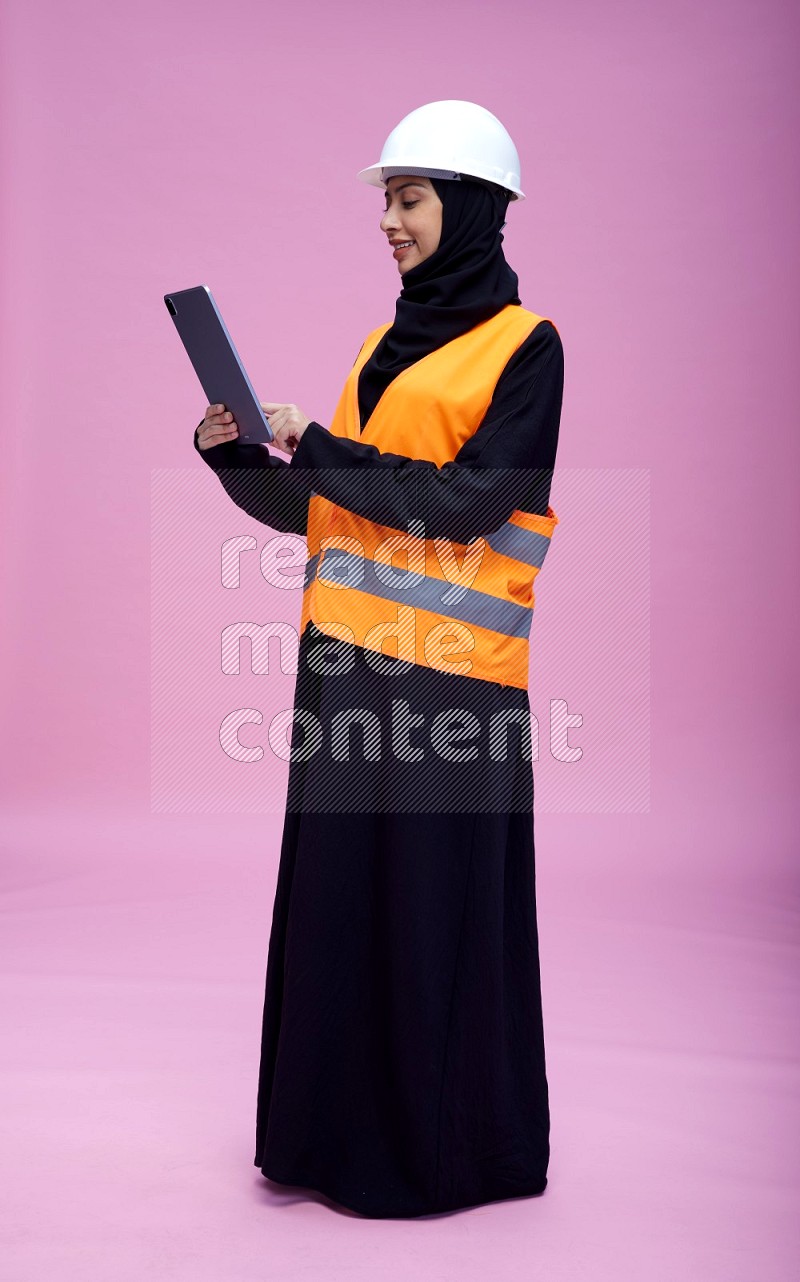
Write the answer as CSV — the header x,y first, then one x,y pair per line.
x,y
215,437
210,442
221,420
271,407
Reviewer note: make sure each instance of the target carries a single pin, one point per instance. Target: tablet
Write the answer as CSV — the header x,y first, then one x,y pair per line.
x,y
216,361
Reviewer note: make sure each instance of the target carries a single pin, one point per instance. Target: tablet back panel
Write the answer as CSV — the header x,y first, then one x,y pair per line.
x,y
216,362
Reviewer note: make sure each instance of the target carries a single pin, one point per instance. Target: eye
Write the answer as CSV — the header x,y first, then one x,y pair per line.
x,y
409,204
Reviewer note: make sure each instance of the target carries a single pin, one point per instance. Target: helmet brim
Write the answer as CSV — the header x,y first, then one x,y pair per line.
x,y
372,175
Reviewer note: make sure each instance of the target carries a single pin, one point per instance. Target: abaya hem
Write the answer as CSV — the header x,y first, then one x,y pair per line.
x,y
371,1210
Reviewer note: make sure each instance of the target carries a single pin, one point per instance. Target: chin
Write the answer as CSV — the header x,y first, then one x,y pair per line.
x,y
406,266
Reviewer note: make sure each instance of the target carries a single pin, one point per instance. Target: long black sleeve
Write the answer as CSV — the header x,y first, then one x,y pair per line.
x,y
261,484
506,465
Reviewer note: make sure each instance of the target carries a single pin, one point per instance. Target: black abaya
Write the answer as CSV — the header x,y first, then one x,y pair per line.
x,y
402,1061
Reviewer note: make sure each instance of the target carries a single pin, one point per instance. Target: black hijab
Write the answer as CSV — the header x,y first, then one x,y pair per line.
x,y
462,283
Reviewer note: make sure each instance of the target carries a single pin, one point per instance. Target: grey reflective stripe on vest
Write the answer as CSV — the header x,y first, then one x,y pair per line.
x,y
349,570
523,545
310,570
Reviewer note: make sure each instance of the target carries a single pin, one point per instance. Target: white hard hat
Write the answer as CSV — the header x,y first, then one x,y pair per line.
x,y
445,139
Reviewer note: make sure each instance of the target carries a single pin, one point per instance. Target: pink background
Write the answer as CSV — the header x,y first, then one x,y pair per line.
x,y
150,147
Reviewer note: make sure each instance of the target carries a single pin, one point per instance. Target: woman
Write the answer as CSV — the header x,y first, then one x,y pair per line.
x,y
402,1065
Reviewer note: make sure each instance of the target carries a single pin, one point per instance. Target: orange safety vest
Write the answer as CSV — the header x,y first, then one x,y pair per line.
x,y
475,620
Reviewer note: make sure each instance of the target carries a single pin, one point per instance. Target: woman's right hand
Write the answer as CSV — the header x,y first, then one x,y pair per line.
x,y
218,425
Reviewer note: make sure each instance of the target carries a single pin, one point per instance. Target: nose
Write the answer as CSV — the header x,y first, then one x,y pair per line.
x,y
388,221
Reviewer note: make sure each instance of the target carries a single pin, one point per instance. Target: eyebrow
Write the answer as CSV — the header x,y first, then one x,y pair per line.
x,y
403,186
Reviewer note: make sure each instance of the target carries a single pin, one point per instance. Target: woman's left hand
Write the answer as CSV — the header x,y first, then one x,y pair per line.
x,y
287,422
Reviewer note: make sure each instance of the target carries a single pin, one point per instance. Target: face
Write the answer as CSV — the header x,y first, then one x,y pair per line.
x,y
413,213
